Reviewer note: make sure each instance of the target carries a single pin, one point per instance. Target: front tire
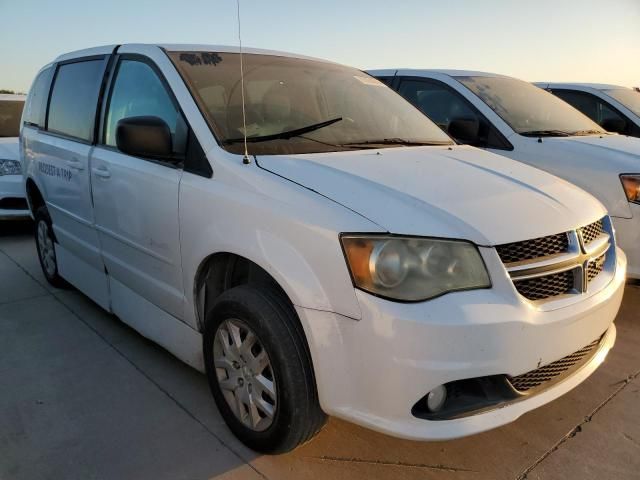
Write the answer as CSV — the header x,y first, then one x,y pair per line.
x,y
260,370
46,251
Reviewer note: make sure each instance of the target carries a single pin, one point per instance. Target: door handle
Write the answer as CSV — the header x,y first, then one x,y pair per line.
x,y
75,164
101,172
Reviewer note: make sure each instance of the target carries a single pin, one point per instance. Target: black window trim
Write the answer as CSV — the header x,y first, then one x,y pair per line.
x,y
398,79
106,100
105,57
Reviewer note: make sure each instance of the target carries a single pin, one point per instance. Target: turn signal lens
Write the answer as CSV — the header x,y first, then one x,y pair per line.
x,y
631,185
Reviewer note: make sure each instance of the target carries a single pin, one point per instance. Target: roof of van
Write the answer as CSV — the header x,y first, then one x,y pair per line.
x,y
176,47
426,71
597,86
15,97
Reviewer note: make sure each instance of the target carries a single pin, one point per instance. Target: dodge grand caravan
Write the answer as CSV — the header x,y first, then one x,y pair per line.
x,y
520,121
354,262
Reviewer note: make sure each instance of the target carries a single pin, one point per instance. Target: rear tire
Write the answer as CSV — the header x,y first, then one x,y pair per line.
x,y
258,362
45,241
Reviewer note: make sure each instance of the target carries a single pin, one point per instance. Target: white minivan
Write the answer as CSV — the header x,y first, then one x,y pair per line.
x,y
354,262
523,122
13,203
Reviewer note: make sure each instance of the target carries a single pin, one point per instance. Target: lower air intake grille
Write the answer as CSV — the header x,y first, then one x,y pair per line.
x,y
11,203
540,376
548,286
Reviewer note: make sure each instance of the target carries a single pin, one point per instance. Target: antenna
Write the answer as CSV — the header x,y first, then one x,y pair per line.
x,y
246,160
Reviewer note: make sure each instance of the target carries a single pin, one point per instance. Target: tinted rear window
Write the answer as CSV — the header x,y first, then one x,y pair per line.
x,y
10,113
74,99
36,105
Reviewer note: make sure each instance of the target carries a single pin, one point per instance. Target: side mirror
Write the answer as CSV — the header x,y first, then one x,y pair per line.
x,y
617,125
144,137
466,130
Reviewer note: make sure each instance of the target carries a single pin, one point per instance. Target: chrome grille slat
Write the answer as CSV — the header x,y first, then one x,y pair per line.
x,y
564,366
560,264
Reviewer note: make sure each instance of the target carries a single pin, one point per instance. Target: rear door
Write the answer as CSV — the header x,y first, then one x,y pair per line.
x,y
135,198
62,168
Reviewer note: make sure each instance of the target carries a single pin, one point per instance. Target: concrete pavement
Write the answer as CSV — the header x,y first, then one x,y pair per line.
x,y
82,396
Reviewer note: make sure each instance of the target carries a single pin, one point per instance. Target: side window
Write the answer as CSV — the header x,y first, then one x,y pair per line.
x,y
36,105
74,98
138,91
587,104
596,109
452,113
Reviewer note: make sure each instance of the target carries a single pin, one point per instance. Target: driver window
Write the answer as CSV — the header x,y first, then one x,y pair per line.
x,y
137,91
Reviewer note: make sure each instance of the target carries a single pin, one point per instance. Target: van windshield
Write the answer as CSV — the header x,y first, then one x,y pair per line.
x,y
528,109
10,114
295,105
627,97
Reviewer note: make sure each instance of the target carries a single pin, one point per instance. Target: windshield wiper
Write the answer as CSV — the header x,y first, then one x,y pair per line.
x,y
398,141
285,135
546,133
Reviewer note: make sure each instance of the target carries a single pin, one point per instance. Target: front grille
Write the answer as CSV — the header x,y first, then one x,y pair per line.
x,y
595,267
559,264
592,231
13,203
539,288
540,376
536,248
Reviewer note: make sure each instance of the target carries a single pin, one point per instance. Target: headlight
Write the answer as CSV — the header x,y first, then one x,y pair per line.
x,y
631,185
413,269
10,167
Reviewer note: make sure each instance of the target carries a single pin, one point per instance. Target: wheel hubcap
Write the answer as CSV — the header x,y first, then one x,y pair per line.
x,y
45,246
244,373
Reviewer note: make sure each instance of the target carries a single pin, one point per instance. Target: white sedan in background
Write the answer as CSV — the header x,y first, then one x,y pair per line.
x,y
13,203
516,119
614,108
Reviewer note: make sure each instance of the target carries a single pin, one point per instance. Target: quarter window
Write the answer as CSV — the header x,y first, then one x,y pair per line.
x,y
36,105
74,99
138,91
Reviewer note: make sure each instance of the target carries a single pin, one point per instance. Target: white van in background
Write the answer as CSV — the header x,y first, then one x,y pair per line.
x,y
13,203
523,122
614,108
336,253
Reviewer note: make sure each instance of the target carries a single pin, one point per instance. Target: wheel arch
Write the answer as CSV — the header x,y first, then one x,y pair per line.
x,y
35,199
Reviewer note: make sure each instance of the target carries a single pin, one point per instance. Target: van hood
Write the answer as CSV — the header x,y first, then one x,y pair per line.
x,y
450,192
9,149
621,151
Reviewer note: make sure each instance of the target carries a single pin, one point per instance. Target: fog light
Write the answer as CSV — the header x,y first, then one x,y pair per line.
x,y
436,398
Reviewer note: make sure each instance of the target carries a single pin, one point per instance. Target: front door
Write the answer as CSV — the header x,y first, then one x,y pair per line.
x,y
136,199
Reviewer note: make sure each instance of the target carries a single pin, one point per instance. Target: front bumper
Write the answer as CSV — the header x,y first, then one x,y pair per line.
x,y
373,371
12,193
628,238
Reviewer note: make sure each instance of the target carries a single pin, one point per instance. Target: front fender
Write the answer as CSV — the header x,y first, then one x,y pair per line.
x,y
289,231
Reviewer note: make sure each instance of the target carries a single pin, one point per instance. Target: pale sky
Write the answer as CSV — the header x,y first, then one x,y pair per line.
x,y
561,40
